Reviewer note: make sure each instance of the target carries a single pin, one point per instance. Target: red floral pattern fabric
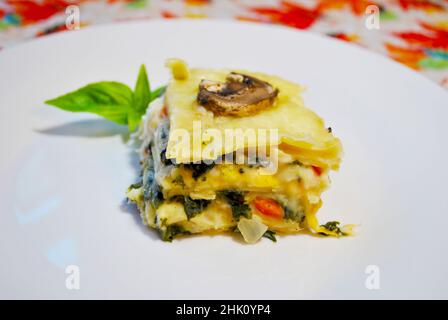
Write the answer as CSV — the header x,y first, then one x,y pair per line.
x,y
412,32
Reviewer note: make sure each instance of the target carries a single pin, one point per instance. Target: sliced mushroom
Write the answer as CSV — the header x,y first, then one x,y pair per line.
x,y
240,95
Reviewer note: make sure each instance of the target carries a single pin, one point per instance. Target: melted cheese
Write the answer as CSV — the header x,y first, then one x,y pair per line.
x,y
300,130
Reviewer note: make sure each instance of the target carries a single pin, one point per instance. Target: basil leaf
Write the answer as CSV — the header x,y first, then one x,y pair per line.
x,y
134,119
157,93
111,100
142,92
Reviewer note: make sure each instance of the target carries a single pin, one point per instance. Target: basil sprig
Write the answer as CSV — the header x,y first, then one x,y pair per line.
x,y
112,100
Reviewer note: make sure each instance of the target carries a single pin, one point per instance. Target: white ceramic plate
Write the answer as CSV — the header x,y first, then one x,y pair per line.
x,y
63,175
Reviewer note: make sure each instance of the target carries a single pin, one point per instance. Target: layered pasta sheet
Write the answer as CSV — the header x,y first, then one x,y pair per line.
x,y
255,175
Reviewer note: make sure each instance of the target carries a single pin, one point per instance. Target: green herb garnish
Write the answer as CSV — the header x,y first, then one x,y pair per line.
x,y
179,180
171,232
136,185
152,191
270,235
194,206
237,202
294,215
114,101
334,227
198,169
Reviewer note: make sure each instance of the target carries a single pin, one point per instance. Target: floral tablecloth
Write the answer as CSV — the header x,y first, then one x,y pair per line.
x,y
412,32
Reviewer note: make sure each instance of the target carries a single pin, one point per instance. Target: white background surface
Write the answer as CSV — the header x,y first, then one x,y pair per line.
x,y
63,175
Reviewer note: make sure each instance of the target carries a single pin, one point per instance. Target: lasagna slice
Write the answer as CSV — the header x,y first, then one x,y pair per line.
x,y
233,151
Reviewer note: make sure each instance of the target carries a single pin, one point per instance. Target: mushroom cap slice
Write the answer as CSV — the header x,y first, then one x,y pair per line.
x,y
241,95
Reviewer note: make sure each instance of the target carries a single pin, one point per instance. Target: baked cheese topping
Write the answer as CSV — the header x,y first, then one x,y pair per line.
x,y
301,131
181,194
